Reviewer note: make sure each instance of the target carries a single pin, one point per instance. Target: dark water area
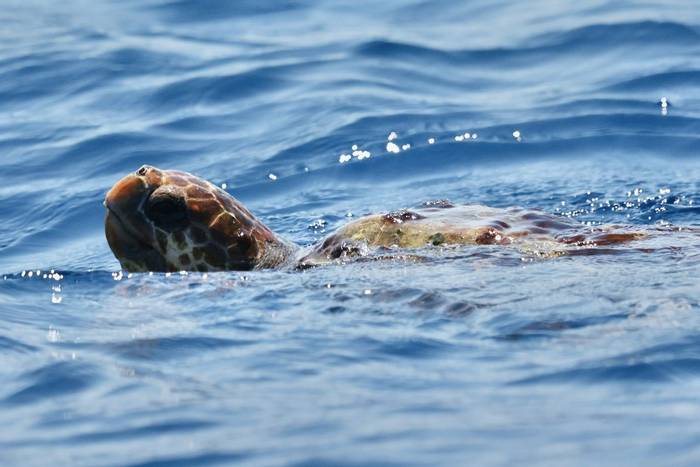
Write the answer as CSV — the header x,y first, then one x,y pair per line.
x,y
483,354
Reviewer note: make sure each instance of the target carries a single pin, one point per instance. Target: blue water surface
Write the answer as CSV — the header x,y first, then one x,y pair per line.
x,y
481,356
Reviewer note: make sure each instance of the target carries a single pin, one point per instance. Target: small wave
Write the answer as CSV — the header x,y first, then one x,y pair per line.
x,y
153,429
133,61
212,10
414,348
165,348
618,34
551,328
207,458
642,372
215,89
50,81
552,46
660,82
11,345
54,380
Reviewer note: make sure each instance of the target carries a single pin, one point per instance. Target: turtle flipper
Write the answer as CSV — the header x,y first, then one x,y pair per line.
x,y
310,261
334,249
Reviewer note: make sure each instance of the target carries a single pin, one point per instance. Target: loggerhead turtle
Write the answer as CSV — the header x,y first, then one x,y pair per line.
x,y
167,220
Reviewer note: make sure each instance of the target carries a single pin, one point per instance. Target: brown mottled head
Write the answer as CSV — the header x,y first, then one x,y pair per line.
x,y
166,220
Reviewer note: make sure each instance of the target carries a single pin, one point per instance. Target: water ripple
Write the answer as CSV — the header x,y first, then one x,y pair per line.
x,y
54,380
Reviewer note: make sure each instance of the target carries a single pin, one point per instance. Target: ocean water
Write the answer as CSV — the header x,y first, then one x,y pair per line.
x,y
481,355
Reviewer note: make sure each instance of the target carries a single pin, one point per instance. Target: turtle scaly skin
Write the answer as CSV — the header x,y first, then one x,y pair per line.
x,y
167,221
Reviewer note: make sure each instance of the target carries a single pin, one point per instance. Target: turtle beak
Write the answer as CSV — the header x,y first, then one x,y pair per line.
x,y
129,232
126,195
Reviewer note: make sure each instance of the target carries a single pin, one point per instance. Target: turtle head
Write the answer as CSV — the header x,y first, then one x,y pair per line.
x,y
166,220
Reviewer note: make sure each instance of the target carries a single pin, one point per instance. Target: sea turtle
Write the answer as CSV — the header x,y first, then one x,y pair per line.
x,y
167,220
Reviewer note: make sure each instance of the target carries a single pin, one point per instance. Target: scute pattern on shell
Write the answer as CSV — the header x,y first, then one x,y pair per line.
x,y
441,223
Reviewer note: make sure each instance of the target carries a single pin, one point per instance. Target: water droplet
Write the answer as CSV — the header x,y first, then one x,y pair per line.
x,y
53,335
360,154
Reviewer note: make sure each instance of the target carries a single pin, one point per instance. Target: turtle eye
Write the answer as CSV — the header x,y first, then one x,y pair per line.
x,y
167,209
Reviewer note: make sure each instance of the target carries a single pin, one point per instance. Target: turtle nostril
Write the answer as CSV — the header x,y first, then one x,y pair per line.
x,y
142,171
